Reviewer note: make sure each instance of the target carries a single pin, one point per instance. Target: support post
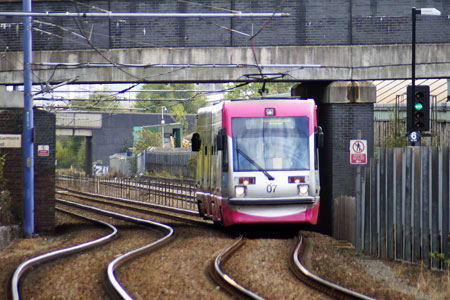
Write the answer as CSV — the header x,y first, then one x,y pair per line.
x,y
28,124
88,166
358,202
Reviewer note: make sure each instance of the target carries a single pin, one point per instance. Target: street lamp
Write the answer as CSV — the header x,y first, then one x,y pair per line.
x,y
162,125
425,12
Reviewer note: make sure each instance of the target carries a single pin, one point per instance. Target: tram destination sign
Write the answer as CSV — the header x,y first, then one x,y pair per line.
x,y
358,152
10,140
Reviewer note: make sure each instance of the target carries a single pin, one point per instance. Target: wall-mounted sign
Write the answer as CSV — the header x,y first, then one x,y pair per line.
x,y
43,150
358,152
10,140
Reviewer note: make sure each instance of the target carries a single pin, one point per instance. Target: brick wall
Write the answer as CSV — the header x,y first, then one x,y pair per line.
x,y
11,123
117,132
318,22
340,123
44,210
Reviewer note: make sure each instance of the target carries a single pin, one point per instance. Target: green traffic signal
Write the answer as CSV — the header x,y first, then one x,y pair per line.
x,y
418,106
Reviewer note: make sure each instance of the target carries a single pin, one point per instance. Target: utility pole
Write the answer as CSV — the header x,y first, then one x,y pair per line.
x,y
28,123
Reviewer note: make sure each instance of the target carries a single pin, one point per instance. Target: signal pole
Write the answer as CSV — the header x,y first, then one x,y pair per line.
x,y
414,135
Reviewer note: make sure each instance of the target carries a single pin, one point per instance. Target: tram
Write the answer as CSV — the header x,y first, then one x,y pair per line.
x,y
258,161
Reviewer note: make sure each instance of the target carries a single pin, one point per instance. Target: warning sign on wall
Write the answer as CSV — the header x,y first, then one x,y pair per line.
x,y
358,152
43,150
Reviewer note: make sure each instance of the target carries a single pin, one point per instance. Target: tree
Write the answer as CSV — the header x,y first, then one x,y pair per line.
x,y
147,138
98,101
189,101
151,103
70,151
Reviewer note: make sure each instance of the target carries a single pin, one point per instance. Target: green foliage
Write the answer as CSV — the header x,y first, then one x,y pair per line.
x,y
188,103
147,138
169,91
441,257
71,152
252,90
395,135
126,146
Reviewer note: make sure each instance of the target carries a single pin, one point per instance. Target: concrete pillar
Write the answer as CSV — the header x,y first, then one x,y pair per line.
x,y
88,167
10,99
344,108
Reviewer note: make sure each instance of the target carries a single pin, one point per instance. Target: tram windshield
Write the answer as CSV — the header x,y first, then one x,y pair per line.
x,y
275,143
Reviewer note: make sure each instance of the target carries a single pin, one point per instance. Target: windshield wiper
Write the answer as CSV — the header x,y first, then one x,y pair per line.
x,y
270,177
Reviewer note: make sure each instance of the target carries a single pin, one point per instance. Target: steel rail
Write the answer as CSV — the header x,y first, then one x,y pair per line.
x,y
224,279
112,279
160,191
314,281
135,202
26,265
142,207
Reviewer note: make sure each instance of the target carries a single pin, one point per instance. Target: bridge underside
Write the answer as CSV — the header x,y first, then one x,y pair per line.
x,y
233,64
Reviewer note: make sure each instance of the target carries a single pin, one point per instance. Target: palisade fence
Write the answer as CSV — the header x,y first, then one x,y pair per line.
x,y
404,209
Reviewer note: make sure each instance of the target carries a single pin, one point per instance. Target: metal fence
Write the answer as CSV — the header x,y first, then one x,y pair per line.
x,y
175,163
121,163
167,192
404,208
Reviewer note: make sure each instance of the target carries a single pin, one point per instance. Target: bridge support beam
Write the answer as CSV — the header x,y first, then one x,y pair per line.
x,y
344,110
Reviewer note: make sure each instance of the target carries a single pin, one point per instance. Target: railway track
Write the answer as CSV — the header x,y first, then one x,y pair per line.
x,y
188,230
240,288
318,283
191,252
113,286
224,279
27,265
116,289
164,211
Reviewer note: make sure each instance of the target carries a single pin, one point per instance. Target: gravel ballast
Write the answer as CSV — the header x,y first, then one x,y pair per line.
x,y
180,269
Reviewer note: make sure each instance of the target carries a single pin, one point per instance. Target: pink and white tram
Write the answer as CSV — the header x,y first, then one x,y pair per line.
x,y
258,161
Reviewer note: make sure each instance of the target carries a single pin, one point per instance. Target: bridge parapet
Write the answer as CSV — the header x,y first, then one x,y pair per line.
x,y
77,123
232,64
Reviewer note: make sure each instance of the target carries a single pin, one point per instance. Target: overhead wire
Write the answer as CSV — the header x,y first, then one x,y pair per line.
x,y
257,33
87,38
85,35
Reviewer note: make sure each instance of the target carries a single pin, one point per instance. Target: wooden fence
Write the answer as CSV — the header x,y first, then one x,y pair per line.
x,y
403,209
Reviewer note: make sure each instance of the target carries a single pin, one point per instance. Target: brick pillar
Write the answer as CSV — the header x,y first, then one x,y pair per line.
x,y
343,109
44,172
44,168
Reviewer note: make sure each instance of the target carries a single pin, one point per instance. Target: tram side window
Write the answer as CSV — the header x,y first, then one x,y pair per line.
x,y
222,145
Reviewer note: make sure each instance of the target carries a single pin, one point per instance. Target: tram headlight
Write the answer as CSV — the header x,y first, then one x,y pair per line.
x,y
303,189
240,191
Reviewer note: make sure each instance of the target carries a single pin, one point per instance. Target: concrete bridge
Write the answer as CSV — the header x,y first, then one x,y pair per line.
x,y
225,64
